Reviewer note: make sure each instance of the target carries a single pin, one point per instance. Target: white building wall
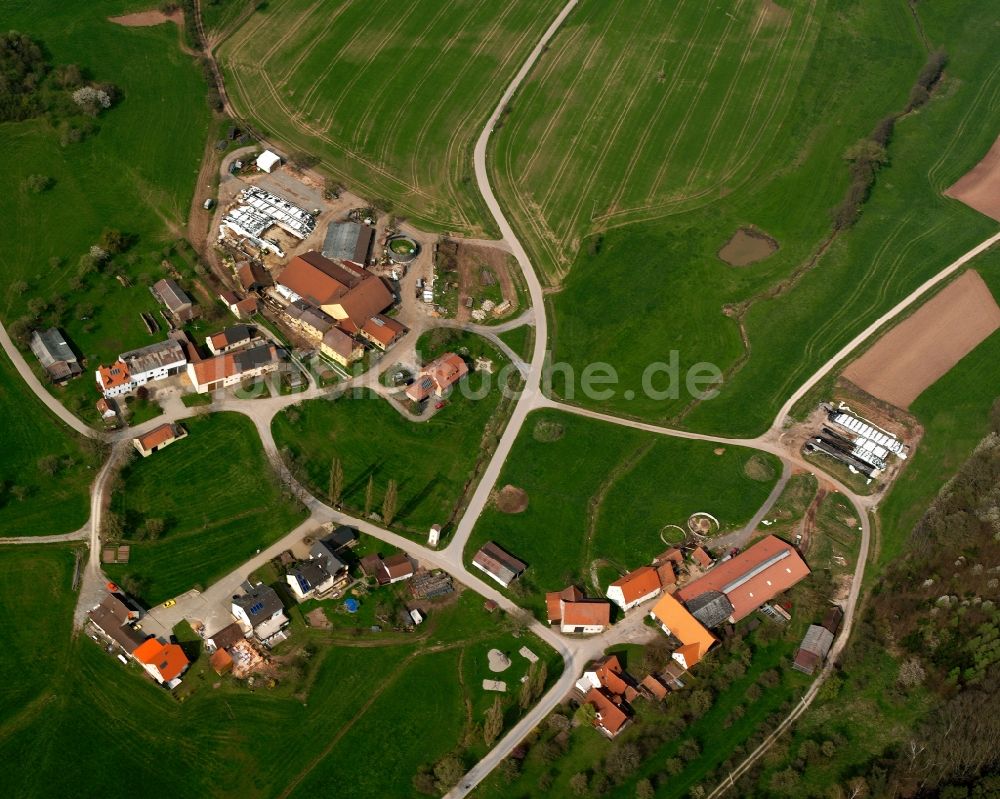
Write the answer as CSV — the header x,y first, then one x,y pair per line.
x,y
588,629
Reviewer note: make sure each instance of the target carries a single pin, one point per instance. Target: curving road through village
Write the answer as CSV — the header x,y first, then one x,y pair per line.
x,y
575,652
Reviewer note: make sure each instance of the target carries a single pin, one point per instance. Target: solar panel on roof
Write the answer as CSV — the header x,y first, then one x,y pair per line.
x,y
257,607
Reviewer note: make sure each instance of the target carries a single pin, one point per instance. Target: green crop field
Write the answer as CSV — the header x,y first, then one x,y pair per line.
x,y
391,97
45,468
623,487
432,462
135,173
650,132
218,501
346,705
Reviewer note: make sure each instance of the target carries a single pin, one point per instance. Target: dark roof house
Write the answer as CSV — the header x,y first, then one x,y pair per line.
x,y
55,355
324,551
498,564
173,297
813,649
114,617
348,241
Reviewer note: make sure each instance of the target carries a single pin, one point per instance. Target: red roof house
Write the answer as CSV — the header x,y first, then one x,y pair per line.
x,y
635,587
755,576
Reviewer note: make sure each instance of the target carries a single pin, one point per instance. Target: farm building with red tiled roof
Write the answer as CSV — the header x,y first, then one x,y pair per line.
x,y
635,587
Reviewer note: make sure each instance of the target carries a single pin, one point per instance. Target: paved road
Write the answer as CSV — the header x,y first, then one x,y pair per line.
x,y
40,391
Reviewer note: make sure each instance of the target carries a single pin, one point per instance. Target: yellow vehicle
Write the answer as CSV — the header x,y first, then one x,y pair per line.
x,y
170,603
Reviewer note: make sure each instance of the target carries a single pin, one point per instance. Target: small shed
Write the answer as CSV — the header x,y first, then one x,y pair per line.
x,y
221,661
268,161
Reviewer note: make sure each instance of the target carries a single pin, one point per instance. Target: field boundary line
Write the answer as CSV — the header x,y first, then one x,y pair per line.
x,y
307,51
335,59
385,80
465,127
328,116
571,146
669,207
664,99
288,33
706,76
959,129
570,219
566,53
737,75
884,319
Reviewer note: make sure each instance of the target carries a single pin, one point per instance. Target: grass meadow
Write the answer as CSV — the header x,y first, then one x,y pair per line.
x,y
626,170
219,502
391,98
433,462
135,173
623,486
45,468
347,705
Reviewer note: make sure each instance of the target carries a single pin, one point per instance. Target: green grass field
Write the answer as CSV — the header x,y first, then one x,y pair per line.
x,y
625,186
45,468
432,462
135,174
623,487
219,502
349,706
391,98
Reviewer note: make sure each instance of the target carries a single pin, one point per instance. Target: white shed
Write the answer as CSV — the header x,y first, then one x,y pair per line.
x,y
267,161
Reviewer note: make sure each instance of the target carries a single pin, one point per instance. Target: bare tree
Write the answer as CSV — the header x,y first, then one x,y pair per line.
x,y
369,495
389,503
336,482
493,723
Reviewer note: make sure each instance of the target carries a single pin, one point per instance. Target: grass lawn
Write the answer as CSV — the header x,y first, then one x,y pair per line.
x,y
35,586
135,173
218,501
638,263
432,462
391,99
339,704
623,487
520,339
42,461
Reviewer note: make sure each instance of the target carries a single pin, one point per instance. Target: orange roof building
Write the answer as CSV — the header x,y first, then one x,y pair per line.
x,y
231,368
159,437
635,588
221,661
165,663
574,613
382,331
437,377
675,620
656,688
607,687
341,290
611,718
114,380
755,576
700,556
